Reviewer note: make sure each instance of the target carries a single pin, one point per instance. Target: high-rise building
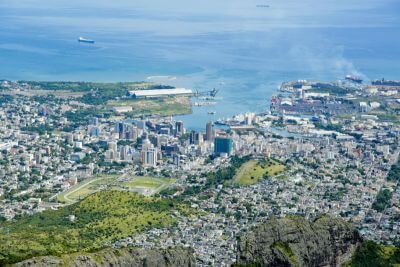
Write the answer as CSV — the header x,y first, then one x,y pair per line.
x,y
196,138
165,131
192,137
177,159
155,140
209,131
222,145
38,158
141,124
70,138
95,121
149,156
149,153
125,153
131,133
179,130
95,131
112,146
119,127
199,138
110,154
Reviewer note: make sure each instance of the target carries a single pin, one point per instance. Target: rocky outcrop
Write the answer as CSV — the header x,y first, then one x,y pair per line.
x,y
294,241
134,257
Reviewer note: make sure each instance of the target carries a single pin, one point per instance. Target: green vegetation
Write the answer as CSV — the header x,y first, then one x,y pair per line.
x,y
87,86
328,88
105,96
141,184
86,188
40,129
100,218
253,171
165,106
382,200
394,173
147,185
371,254
219,177
81,116
225,174
95,93
287,251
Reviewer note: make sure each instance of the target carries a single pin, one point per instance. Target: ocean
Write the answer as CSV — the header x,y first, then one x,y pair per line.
x,y
246,49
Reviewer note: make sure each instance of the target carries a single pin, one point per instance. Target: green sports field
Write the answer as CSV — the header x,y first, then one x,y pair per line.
x,y
147,185
141,184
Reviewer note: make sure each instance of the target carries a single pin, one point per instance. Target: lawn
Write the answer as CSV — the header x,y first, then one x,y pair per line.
x,y
253,171
141,184
146,185
86,188
100,219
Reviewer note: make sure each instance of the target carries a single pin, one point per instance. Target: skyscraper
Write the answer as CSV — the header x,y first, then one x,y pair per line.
x,y
179,128
148,153
209,131
95,121
196,138
149,156
222,145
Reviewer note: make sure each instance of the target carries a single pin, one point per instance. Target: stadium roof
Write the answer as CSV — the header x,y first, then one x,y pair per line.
x,y
161,92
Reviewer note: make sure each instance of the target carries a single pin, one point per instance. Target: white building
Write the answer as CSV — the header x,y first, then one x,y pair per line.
x,y
160,92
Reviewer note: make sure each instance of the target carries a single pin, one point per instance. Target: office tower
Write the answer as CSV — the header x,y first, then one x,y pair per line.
x,y
209,131
223,145
95,121
179,130
198,138
149,156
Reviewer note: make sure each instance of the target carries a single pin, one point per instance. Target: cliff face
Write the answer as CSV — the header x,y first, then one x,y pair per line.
x,y
133,257
294,241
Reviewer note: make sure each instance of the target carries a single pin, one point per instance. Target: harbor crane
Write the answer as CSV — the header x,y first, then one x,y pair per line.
x,y
213,93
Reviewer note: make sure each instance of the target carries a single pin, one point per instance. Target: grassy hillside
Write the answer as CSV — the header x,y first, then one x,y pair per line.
x,y
371,254
253,171
99,219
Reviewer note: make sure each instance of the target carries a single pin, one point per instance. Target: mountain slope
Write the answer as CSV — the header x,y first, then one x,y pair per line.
x,y
294,241
134,257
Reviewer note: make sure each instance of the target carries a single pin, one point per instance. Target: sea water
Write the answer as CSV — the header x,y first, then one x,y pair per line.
x,y
243,48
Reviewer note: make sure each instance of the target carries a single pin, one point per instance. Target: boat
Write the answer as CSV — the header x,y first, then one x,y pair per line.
x,y
212,112
221,122
84,40
354,79
384,82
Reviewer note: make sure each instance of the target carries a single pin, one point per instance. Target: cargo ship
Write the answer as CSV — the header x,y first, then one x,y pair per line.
x,y
384,82
84,40
353,79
